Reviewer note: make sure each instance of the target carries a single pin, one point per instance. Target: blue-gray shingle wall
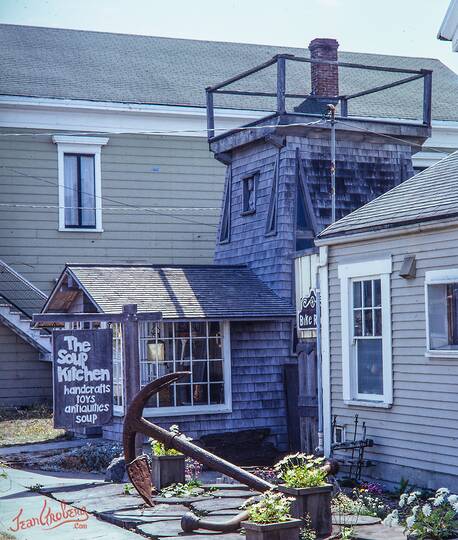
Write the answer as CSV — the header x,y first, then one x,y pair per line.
x,y
268,256
258,401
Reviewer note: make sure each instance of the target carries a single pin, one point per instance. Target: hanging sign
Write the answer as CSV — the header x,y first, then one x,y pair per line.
x,y
307,317
82,378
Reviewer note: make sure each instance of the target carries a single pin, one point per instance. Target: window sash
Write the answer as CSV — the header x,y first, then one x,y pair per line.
x,y
373,272
79,191
441,305
177,349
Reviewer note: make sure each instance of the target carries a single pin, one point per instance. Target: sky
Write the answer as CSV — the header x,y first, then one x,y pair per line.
x,y
397,27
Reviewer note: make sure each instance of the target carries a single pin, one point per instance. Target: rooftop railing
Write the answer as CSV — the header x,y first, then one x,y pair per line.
x,y
281,94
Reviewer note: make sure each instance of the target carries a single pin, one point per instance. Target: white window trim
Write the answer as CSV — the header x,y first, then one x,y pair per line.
x,y
438,277
347,272
80,145
205,409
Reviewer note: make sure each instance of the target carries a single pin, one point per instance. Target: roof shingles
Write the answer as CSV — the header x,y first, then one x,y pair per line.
x,y
122,68
188,292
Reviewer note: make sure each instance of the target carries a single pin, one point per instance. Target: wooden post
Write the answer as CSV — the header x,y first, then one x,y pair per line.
x,y
427,96
210,114
131,360
281,84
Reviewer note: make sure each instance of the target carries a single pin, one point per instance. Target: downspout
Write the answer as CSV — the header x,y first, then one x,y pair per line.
x,y
323,365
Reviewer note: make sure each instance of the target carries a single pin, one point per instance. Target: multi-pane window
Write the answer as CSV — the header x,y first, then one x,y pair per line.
x,y
118,367
197,347
367,377
79,191
442,312
367,336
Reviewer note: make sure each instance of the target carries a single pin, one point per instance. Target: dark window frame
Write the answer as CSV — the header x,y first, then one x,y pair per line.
x,y
246,210
272,214
225,226
79,191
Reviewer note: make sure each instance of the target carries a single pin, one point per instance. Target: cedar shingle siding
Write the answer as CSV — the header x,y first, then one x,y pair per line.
x,y
258,398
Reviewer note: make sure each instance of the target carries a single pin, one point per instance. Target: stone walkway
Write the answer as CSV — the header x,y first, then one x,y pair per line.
x,y
114,514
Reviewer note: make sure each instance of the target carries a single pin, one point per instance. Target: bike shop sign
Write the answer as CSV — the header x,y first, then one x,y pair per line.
x,y
82,378
308,315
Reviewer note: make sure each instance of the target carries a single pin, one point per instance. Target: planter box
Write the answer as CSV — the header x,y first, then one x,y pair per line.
x,y
167,470
286,530
316,502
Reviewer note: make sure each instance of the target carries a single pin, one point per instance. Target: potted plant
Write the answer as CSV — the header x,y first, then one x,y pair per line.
x,y
435,518
270,519
303,477
167,464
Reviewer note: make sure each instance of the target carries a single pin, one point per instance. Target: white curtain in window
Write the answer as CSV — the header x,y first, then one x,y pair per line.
x,y
87,191
71,190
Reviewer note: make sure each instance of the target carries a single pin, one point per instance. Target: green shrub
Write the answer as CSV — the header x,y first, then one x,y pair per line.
x,y
301,471
272,507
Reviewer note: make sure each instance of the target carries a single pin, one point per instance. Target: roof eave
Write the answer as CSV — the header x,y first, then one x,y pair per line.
x,y
399,229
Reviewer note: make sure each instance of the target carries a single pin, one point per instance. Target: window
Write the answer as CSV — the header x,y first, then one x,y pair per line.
x,y
79,191
79,171
203,349
249,194
305,219
366,332
442,313
225,227
118,369
271,226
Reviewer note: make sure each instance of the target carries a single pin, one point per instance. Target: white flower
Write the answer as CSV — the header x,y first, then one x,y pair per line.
x,y
410,521
415,510
438,500
426,510
453,499
412,497
402,500
392,519
442,491
455,507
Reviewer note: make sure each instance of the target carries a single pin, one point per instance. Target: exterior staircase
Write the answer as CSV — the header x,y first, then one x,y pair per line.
x,y
19,300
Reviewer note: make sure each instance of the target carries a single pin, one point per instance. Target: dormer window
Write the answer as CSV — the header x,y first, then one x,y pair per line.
x,y
249,194
79,170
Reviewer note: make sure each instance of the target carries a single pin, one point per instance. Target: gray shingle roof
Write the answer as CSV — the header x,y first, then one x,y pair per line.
x,y
214,292
74,64
429,195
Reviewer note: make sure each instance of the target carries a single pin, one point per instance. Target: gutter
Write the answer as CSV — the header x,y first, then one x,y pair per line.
x,y
386,233
322,345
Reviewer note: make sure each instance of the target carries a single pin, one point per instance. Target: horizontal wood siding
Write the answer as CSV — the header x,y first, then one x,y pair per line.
x,y
417,437
24,380
138,170
258,395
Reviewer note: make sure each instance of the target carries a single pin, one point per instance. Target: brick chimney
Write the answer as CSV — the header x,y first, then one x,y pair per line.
x,y
325,77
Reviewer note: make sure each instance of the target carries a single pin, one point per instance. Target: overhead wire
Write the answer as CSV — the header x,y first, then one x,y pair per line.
x,y
136,207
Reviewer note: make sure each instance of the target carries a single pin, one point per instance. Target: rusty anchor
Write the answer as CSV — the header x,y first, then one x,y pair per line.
x,y
139,471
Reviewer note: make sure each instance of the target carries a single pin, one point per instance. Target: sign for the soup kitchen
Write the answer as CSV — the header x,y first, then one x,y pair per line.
x,y
83,378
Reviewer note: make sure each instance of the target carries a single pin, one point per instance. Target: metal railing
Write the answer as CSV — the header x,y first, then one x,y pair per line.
x,y
19,292
281,95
